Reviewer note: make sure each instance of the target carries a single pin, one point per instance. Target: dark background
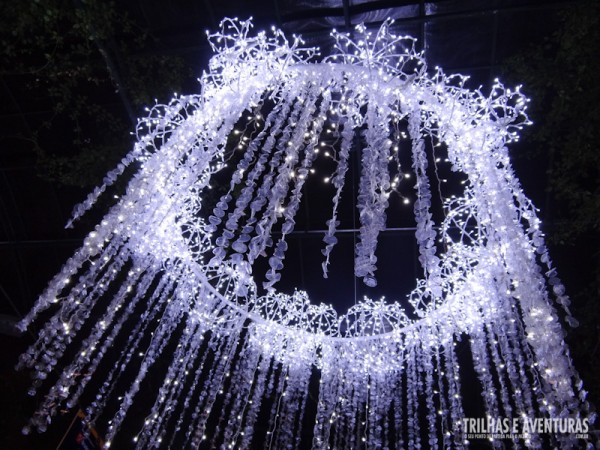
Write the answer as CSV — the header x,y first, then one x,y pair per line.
x,y
75,75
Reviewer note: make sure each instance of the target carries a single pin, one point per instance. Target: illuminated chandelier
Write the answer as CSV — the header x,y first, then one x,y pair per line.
x,y
167,279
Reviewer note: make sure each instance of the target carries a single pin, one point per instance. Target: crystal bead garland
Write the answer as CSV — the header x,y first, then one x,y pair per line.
x,y
164,285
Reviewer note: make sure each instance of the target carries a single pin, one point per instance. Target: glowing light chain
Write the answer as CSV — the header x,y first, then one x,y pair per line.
x,y
165,277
